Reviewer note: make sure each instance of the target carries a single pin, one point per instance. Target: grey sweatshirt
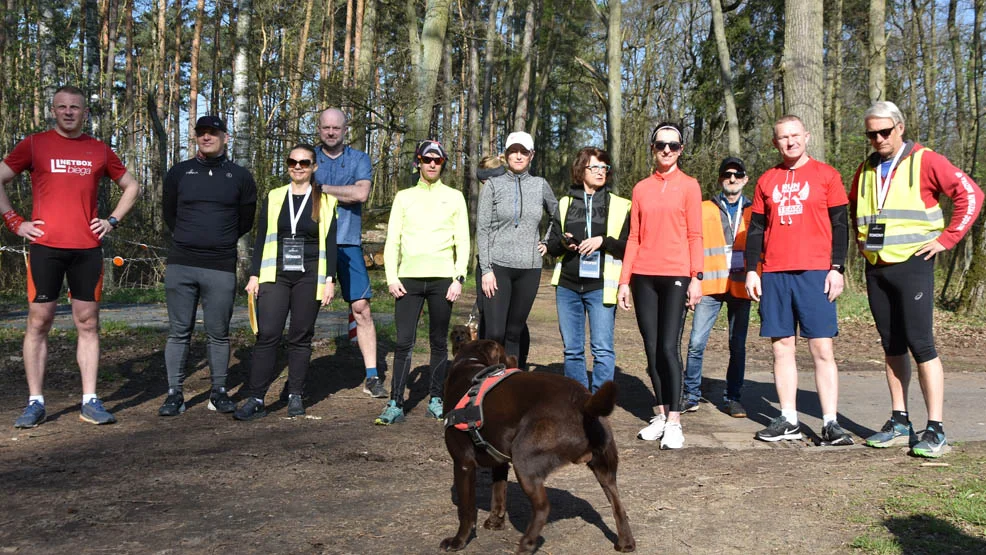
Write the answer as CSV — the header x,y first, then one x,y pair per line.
x,y
510,209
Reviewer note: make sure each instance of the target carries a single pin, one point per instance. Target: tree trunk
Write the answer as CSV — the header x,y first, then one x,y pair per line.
x,y
961,109
358,38
427,58
474,131
835,96
243,143
349,43
614,98
193,75
325,58
358,130
726,73
294,115
485,127
928,47
803,69
877,50
527,61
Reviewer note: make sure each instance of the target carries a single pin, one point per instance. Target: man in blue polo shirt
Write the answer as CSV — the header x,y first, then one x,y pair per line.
x,y
346,174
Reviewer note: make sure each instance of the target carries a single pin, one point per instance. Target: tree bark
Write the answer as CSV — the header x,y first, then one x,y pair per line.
x,y
427,59
877,50
958,72
614,97
348,45
803,69
834,82
358,129
726,74
926,42
193,74
242,134
527,64
294,115
485,127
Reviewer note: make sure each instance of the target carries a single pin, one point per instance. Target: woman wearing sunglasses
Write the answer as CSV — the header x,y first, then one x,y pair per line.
x,y
589,232
425,259
510,250
294,260
663,267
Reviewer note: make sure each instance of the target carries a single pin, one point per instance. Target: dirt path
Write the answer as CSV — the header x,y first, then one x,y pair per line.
x,y
335,483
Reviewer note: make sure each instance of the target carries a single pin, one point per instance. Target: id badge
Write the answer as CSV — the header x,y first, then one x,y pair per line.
x,y
589,265
293,254
874,237
737,261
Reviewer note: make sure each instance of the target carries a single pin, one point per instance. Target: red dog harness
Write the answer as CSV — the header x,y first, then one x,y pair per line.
x,y
467,416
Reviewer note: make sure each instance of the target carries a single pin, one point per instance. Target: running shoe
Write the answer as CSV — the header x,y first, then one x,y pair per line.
x,y
219,401
374,388
893,434
173,405
932,445
779,429
655,430
295,406
435,408
834,434
392,414
689,405
734,408
33,415
251,409
93,412
672,438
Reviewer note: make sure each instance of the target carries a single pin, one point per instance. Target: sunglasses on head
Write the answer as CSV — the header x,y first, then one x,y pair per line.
x,y
306,163
738,174
431,160
673,146
885,133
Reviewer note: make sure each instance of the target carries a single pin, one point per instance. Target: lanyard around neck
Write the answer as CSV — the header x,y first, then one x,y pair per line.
x,y
587,199
883,184
295,218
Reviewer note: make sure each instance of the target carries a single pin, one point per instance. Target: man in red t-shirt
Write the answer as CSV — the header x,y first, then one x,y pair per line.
x,y
65,233
800,226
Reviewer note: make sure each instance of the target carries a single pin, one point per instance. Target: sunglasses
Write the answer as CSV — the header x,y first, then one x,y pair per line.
x,y
736,174
601,168
885,133
306,163
431,160
673,146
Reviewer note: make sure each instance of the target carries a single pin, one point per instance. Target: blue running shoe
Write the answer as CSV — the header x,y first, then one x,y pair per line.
x,y
33,415
932,445
893,434
392,414
435,408
93,412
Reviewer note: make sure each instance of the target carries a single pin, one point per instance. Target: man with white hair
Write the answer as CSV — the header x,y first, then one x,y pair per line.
x,y
900,228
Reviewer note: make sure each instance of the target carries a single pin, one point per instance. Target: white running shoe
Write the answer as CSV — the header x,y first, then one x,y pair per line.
x,y
654,430
673,438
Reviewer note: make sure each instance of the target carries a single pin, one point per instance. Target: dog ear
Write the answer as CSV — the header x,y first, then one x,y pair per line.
x,y
510,361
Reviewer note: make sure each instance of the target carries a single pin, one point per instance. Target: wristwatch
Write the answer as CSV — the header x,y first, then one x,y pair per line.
x,y
699,276
113,222
838,268
460,279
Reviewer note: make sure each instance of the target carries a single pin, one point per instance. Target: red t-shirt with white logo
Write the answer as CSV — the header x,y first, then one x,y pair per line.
x,y
65,176
795,202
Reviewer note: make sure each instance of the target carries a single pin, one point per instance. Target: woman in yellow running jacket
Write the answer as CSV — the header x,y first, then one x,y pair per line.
x,y
425,259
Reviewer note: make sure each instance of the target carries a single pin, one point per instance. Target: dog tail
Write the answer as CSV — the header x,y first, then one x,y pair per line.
x,y
602,402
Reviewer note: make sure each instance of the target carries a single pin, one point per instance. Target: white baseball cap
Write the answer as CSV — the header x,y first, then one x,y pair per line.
x,y
519,138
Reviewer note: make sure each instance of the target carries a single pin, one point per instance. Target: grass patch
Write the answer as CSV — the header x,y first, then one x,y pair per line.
x,y
932,510
127,295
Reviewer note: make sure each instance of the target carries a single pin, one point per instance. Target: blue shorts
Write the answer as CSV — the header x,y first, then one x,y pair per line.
x,y
354,280
793,300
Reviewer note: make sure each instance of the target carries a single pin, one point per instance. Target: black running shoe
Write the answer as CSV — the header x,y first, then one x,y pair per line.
x,y
173,405
219,401
295,406
251,409
779,429
834,434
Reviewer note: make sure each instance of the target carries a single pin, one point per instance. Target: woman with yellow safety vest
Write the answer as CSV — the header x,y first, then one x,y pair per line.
x,y
589,232
294,260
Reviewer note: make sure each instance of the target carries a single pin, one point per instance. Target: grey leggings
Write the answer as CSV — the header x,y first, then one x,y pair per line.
x,y
185,286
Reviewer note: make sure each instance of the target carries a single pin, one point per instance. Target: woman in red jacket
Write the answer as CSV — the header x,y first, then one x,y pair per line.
x,y
662,266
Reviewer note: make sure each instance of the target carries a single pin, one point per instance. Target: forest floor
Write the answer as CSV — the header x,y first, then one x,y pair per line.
x,y
333,482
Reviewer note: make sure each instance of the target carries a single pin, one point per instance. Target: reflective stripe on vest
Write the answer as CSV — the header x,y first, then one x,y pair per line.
x,y
910,224
716,277
268,260
616,214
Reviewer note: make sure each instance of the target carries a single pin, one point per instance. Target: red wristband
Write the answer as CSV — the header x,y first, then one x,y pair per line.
x,y
12,220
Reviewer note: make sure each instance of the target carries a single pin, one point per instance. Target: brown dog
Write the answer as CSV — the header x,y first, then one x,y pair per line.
x,y
458,336
541,421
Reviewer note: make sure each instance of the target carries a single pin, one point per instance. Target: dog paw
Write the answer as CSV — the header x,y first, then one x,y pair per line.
x,y
493,523
625,547
452,544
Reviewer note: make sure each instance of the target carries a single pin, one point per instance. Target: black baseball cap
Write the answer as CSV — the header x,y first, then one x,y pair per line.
x,y
211,121
731,161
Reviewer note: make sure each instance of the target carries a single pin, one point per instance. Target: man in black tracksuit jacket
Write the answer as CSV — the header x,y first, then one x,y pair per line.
x,y
208,203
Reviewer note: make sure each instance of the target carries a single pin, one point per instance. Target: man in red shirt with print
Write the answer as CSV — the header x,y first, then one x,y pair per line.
x,y
799,224
65,234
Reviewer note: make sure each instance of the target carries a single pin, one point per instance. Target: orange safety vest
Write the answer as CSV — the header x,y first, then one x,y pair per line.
x,y
716,278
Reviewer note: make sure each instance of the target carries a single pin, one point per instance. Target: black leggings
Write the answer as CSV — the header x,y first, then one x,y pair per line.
x,y
902,300
294,292
525,336
407,310
659,302
505,315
